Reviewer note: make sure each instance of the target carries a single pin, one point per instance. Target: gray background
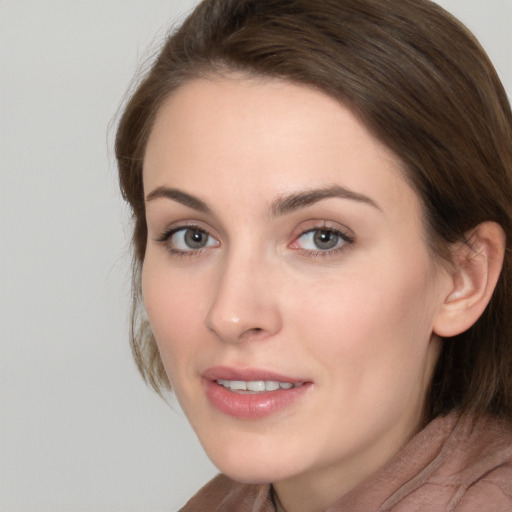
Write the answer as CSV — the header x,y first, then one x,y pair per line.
x,y
79,430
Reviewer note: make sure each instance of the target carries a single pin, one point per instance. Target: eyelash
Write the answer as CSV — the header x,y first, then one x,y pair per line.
x,y
166,236
346,241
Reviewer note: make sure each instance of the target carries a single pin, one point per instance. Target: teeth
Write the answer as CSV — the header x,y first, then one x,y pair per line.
x,y
271,385
256,386
237,385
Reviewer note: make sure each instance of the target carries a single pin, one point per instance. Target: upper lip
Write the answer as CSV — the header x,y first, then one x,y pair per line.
x,y
246,374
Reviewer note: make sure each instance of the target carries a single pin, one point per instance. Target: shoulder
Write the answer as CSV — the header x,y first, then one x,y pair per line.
x,y
225,495
491,493
458,463
473,470
480,451
486,477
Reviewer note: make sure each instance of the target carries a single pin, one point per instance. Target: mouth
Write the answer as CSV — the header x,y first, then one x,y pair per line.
x,y
256,386
252,394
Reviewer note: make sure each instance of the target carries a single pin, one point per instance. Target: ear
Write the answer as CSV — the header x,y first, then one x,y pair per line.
x,y
473,277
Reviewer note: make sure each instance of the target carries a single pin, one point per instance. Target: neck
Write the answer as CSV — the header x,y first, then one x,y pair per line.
x,y
316,490
306,494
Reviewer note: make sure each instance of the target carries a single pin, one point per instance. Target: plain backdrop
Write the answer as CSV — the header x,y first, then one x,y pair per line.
x,y
79,429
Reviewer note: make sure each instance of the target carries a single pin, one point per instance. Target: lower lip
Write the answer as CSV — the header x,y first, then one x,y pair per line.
x,y
252,406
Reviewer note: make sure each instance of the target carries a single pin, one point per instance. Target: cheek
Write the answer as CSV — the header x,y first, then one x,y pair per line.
x,y
174,306
370,321
370,344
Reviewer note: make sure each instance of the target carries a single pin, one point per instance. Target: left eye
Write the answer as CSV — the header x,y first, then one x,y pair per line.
x,y
321,240
191,239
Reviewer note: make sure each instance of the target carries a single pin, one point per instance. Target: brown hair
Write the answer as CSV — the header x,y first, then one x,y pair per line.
x,y
420,82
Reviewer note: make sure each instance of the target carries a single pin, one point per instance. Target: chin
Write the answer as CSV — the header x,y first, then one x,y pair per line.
x,y
253,474
247,467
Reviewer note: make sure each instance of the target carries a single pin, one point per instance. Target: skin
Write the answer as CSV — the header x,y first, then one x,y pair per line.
x,y
356,321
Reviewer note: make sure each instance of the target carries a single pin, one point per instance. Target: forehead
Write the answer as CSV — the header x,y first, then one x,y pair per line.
x,y
265,137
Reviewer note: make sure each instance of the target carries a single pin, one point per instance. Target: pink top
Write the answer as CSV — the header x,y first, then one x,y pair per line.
x,y
454,464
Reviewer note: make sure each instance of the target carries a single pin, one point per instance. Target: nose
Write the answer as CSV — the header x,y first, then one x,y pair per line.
x,y
245,302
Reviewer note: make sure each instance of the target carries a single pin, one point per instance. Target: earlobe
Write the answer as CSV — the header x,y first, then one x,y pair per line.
x,y
475,272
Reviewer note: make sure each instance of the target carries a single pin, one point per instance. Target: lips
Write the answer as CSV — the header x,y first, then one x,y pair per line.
x,y
251,393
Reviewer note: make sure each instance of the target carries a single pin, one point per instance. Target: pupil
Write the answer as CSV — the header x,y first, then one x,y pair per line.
x,y
325,239
195,239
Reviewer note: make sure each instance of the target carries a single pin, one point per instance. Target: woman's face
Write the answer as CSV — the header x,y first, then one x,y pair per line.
x,y
287,280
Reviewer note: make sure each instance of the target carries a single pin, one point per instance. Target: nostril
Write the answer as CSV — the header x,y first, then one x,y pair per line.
x,y
254,333
234,317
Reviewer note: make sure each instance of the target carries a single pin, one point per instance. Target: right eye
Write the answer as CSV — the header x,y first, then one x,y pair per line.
x,y
187,240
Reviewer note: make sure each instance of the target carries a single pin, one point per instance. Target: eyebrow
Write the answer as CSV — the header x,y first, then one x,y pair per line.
x,y
296,201
281,206
180,197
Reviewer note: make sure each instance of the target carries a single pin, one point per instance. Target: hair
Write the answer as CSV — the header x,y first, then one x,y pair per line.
x,y
420,82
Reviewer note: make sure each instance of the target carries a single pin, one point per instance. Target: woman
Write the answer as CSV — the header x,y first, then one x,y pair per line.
x,y
322,201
